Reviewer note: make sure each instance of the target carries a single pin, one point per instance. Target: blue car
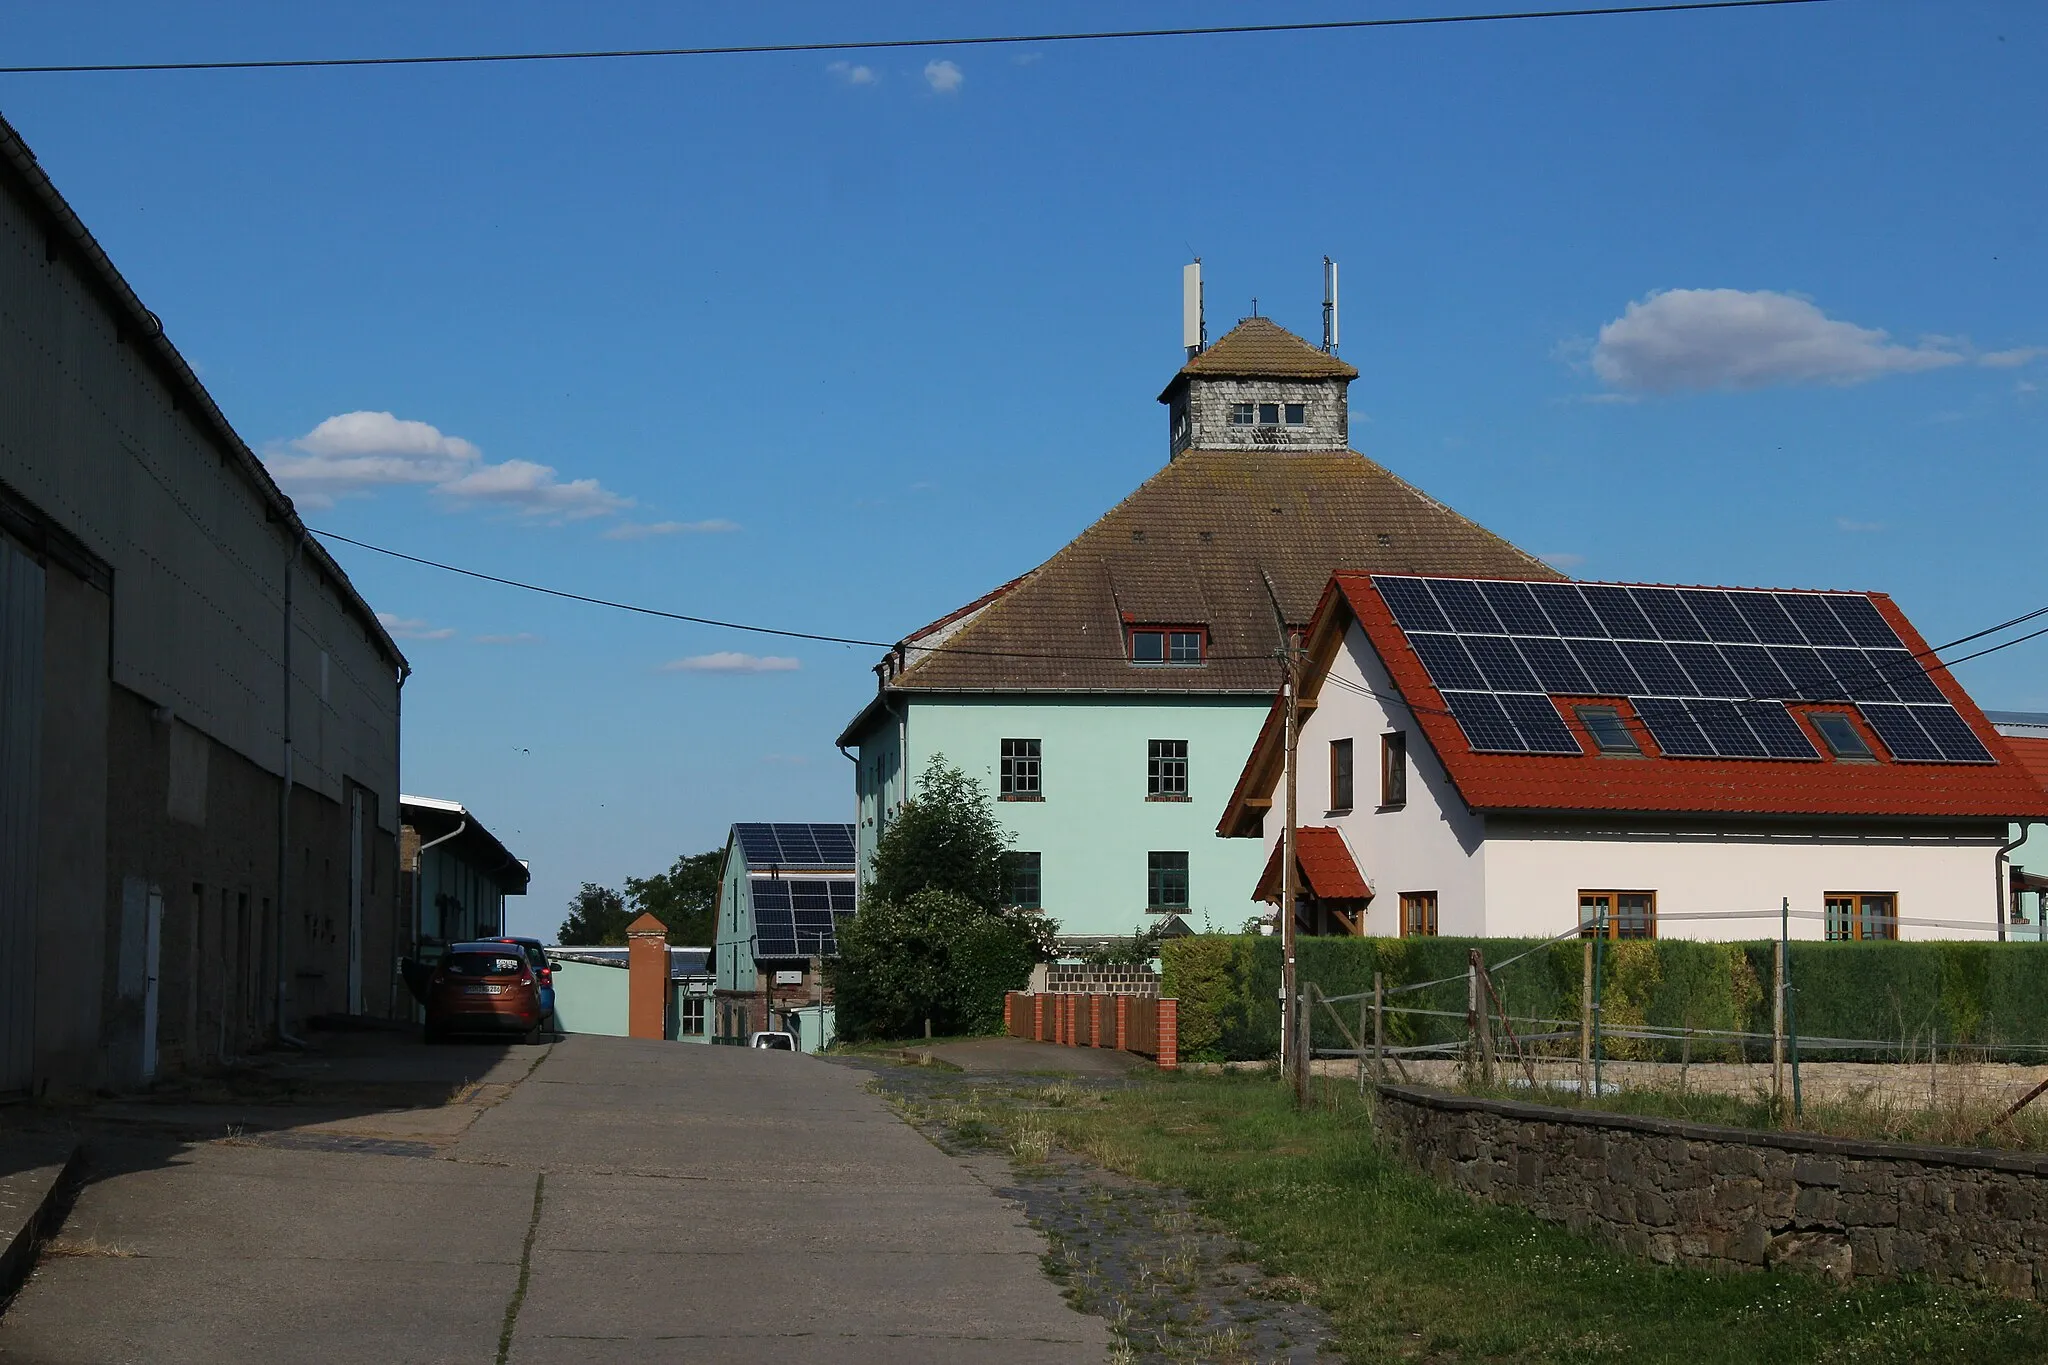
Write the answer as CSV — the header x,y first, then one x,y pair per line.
x,y
543,972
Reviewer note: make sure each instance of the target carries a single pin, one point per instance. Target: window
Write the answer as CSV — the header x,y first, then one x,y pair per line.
x,y
1609,731
1340,774
1269,414
1166,770
1297,414
1418,914
1166,881
1839,733
1862,914
1394,769
1158,645
1241,414
693,1015
1020,877
1617,914
1020,770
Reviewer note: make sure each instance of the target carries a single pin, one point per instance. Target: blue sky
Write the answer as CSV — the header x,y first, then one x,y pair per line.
x,y
1745,298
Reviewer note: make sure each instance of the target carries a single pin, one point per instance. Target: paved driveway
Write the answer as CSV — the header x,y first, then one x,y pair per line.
x,y
627,1201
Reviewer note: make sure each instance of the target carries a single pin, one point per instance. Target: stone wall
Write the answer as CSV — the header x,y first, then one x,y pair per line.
x,y
1730,1198
1209,402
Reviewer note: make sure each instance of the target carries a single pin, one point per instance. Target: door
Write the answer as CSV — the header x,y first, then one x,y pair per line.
x,y
355,902
21,746
152,956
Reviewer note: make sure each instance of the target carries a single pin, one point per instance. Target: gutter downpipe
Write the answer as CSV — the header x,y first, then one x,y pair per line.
x,y
418,876
1998,875
284,807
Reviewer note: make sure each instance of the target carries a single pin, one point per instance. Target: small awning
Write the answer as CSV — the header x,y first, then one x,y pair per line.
x,y
1326,866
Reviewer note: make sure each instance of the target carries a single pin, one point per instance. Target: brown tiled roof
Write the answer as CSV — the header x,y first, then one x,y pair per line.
x,y
1211,540
1262,348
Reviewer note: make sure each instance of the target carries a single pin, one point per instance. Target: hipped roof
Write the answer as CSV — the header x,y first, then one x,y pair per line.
x,y
2002,790
1260,348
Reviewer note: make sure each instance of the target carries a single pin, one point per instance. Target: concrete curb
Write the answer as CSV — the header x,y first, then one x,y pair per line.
x,y
36,1171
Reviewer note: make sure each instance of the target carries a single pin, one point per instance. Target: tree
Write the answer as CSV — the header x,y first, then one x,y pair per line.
x,y
935,956
597,919
944,839
685,897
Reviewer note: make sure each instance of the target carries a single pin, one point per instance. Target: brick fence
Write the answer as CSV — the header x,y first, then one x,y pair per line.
x,y
1145,1025
1733,1198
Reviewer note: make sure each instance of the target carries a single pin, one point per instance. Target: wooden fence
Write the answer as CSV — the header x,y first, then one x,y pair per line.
x,y
1145,1025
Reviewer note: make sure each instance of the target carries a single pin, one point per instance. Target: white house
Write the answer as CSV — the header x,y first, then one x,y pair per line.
x,y
1506,758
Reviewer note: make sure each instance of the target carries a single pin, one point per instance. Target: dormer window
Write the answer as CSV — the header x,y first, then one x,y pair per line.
x,y
1161,645
1297,414
1269,414
1243,414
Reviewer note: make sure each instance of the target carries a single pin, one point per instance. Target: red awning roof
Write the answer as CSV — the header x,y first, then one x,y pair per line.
x,y
1326,865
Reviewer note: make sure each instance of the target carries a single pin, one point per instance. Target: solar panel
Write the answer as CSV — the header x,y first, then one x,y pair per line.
x,y
1773,724
1502,664
758,845
1486,725
1462,602
1901,733
1952,735
799,916
1810,613
799,849
1414,609
835,844
1516,607
770,893
1499,649
1669,614
1673,727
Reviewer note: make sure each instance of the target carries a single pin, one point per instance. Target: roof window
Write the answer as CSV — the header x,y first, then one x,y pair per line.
x,y
1839,733
1162,645
1609,731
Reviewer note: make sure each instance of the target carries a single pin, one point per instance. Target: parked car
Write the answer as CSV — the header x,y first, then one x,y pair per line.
x,y
543,972
486,987
780,1042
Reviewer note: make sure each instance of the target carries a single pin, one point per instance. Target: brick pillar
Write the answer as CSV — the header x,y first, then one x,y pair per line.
x,y
1169,1035
1123,1022
647,978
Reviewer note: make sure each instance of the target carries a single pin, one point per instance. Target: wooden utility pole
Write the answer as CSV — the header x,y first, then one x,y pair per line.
x,y
1586,1023
1293,1031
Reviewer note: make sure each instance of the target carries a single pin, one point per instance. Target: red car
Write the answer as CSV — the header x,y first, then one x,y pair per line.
x,y
483,988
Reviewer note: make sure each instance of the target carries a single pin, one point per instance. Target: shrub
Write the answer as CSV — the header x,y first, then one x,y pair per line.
x,y
935,956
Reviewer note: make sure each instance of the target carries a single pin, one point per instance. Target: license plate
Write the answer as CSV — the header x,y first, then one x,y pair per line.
x,y
482,990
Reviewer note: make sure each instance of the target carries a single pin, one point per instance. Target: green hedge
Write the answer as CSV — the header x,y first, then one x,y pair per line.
x,y
1902,993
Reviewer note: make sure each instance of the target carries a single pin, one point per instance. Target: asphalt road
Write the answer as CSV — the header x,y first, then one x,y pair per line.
x,y
620,1201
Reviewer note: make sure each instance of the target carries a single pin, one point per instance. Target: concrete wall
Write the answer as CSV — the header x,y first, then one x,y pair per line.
x,y
1094,827
1732,1199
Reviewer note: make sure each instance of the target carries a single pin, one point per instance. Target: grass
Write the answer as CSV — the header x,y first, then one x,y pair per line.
x,y
1961,1121
1412,1272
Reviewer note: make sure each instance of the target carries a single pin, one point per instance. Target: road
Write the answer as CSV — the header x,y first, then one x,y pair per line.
x,y
619,1201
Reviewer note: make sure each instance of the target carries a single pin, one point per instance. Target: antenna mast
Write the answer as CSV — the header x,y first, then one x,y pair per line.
x,y
1329,305
1194,327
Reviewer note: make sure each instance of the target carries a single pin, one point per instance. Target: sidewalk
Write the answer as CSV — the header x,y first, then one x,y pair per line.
x,y
624,1201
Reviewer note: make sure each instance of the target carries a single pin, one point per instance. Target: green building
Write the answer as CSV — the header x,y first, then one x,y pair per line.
x,y
1108,697
781,896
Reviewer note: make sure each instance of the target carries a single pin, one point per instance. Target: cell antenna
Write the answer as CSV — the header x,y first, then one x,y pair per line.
x,y
1194,330
1329,305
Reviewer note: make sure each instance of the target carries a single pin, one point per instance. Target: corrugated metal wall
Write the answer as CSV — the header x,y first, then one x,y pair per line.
x,y
92,439
21,743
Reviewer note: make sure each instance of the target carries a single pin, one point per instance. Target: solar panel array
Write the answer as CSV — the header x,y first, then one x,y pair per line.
x,y
796,916
819,846
1708,671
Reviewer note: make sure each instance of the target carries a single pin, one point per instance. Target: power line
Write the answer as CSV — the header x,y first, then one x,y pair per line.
x,y
898,44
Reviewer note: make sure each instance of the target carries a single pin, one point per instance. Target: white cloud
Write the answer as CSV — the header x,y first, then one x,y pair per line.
x,y
944,77
1845,524
852,74
1747,339
412,628
355,452
641,530
2012,359
731,661
523,637
1563,560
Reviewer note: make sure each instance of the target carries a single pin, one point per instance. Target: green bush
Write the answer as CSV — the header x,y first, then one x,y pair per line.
x,y
936,956
1896,994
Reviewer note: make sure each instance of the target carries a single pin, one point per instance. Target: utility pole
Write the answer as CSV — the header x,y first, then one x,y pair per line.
x,y
1293,1031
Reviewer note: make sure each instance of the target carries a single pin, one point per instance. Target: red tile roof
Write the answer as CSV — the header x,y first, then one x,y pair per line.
x,y
2032,754
1325,862
2005,790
